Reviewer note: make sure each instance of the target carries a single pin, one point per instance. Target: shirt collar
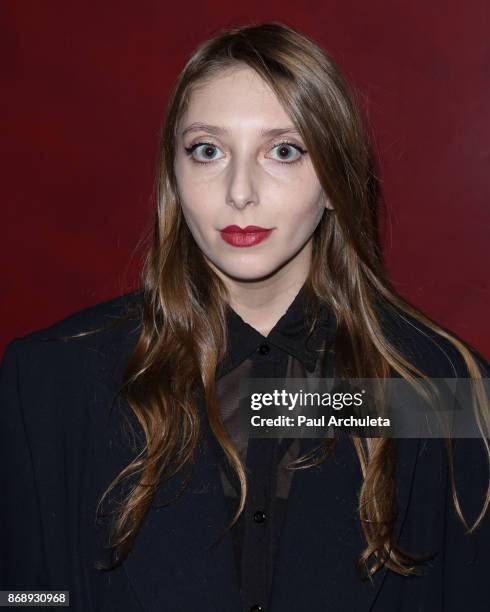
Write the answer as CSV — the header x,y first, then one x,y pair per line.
x,y
289,334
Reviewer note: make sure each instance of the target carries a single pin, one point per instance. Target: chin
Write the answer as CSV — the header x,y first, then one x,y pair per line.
x,y
248,273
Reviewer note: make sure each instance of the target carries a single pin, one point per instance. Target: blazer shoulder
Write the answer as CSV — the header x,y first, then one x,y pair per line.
x,y
105,327
103,315
426,348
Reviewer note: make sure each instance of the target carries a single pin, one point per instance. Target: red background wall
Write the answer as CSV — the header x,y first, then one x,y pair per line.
x,y
84,90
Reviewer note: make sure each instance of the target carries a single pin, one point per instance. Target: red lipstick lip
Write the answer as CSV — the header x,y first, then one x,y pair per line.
x,y
249,228
244,237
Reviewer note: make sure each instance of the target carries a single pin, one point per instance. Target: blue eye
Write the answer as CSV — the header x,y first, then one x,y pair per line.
x,y
288,147
207,151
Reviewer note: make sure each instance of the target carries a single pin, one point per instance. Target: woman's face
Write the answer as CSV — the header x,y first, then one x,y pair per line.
x,y
240,163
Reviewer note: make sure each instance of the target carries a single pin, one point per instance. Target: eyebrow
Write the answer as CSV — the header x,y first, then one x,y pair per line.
x,y
218,131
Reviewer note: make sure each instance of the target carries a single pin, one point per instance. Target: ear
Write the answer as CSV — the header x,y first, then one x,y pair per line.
x,y
327,202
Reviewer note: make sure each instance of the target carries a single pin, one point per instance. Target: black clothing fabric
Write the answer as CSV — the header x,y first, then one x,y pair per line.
x,y
288,351
64,438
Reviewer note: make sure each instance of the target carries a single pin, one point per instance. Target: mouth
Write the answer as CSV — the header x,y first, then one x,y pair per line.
x,y
244,237
232,229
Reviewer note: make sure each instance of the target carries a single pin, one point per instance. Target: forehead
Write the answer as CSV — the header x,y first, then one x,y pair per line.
x,y
238,97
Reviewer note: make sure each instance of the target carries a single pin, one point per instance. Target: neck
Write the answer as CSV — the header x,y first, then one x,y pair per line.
x,y
262,302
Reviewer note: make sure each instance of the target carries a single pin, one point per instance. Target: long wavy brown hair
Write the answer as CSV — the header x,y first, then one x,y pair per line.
x,y
184,303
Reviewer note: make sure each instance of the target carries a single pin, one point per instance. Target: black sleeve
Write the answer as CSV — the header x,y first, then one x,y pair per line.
x,y
22,563
467,556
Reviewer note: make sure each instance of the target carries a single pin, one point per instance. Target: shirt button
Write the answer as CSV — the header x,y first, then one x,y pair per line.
x,y
264,349
259,516
257,608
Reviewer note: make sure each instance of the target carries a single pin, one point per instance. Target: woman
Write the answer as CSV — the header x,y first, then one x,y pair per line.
x,y
264,263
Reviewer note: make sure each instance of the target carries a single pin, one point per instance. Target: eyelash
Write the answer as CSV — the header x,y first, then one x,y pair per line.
x,y
192,148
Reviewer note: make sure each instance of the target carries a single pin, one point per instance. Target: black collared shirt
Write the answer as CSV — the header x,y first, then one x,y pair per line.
x,y
288,351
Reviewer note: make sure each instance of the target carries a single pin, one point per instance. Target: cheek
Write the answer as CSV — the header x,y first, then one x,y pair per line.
x,y
304,210
198,211
198,201
194,214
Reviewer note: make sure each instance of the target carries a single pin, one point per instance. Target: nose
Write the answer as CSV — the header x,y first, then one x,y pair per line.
x,y
241,188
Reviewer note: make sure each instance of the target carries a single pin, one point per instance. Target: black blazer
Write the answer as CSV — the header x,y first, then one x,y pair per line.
x,y
61,445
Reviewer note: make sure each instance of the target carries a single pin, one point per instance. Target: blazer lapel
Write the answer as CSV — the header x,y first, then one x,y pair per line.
x,y
321,540
177,558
